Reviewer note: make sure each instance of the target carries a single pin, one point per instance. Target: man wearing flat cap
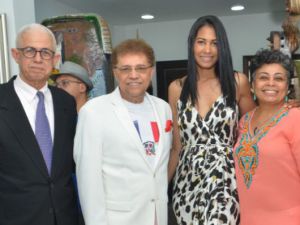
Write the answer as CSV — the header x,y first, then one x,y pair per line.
x,y
74,79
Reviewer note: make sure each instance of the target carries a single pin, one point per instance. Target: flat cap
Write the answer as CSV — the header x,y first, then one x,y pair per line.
x,y
75,70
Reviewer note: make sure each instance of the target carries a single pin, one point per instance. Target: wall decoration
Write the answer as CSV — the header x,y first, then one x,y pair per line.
x,y
290,24
85,39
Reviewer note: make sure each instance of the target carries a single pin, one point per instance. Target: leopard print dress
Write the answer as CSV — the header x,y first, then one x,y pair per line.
x,y
205,191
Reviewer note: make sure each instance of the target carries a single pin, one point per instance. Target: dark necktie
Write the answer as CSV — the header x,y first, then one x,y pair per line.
x,y
43,132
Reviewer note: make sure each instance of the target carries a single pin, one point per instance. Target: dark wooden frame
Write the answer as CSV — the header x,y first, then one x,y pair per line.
x,y
166,72
246,65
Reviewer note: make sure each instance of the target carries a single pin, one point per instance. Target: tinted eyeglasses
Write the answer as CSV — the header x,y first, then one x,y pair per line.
x,y
30,52
129,69
65,83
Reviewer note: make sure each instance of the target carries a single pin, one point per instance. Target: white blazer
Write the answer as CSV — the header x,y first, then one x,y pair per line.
x,y
116,183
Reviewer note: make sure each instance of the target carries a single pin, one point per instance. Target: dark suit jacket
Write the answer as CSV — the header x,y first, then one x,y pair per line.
x,y
28,195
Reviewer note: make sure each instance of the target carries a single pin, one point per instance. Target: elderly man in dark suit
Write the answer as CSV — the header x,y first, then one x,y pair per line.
x,y
37,126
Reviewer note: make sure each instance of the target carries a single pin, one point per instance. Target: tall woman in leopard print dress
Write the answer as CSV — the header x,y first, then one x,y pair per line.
x,y
206,104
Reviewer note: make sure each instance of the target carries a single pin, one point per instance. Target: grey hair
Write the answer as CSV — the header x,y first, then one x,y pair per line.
x,y
34,26
267,56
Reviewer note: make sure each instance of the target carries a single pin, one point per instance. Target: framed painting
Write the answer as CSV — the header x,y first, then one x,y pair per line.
x,y
85,39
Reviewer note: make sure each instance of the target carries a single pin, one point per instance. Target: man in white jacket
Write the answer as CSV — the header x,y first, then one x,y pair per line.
x,y
122,146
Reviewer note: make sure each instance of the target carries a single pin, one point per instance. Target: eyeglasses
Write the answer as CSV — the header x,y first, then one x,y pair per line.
x,y
128,69
65,83
30,52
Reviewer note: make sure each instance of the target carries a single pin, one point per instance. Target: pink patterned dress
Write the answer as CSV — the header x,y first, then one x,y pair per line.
x,y
268,170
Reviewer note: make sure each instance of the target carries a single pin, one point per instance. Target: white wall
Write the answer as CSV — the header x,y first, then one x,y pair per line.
x,y
50,8
246,35
18,13
168,39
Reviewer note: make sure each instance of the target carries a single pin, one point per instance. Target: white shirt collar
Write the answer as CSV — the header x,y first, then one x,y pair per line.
x,y
29,92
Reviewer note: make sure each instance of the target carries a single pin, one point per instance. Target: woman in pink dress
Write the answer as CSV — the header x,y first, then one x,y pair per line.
x,y
267,152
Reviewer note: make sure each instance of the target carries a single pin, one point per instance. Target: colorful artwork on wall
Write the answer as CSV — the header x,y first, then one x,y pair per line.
x,y
85,39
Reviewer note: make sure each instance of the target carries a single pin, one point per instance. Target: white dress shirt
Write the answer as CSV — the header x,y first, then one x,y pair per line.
x,y
29,100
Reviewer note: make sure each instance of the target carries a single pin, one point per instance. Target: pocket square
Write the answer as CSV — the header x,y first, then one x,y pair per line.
x,y
168,125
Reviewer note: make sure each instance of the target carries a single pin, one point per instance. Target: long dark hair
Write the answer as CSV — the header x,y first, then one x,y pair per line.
x,y
223,68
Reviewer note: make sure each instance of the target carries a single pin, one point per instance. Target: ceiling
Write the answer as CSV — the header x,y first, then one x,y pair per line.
x,y
125,12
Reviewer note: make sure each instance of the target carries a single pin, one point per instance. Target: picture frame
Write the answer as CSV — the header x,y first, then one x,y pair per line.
x,y
166,72
246,65
85,39
4,60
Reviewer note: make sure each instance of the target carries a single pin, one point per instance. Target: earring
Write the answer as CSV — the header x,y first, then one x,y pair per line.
x,y
286,98
254,97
